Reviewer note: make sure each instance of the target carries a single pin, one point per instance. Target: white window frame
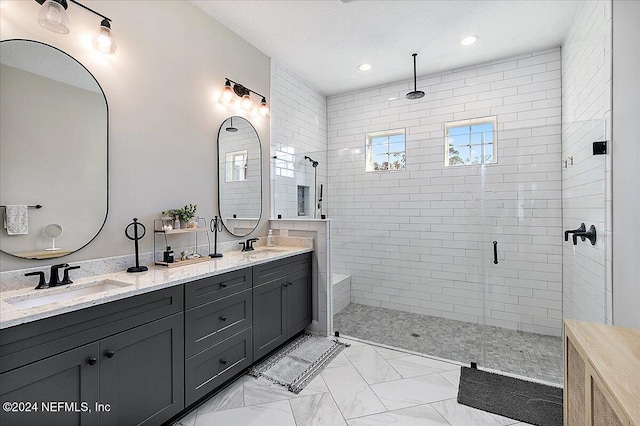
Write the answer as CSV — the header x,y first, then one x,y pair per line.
x,y
236,166
472,122
368,149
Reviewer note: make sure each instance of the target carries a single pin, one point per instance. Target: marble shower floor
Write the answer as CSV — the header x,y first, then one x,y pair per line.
x,y
363,386
517,352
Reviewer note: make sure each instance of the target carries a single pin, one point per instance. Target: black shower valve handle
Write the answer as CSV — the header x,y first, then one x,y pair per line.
x,y
582,228
590,235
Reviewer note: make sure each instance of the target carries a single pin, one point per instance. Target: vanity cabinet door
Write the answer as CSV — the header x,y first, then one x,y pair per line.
x,y
298,302
69,378
269,317
142,373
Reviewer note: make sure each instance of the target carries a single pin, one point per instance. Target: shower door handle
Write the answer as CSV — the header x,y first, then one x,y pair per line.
x,y
495,252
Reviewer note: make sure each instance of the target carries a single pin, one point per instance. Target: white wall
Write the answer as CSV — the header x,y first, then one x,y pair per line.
x,y
161,87
412,240
586,112
626,158
298,127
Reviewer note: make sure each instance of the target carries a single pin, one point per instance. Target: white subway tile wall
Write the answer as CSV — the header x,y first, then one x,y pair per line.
x,y
417,240
298,129
586,185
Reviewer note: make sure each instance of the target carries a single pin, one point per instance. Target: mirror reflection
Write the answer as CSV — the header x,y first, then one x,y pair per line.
x,y
53,151
239,176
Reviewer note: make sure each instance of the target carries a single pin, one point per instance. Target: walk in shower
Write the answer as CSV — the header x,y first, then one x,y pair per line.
x,y
462,260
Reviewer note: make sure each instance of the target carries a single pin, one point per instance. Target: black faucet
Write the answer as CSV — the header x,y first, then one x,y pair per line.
x,y
54,278
248,246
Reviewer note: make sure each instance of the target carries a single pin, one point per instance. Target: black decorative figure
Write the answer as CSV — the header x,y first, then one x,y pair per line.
x,y
216,226
135,239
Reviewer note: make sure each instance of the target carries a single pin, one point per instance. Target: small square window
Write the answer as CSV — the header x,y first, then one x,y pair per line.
x,y
470,142
385,151
236,166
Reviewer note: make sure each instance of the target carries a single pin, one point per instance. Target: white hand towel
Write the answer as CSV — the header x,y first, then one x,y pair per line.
x,y
16,220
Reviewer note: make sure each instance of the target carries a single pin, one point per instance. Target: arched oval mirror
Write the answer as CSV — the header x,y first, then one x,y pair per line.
x,y
53,151
239,176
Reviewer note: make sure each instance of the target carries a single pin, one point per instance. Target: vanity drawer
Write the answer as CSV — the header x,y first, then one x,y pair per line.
x,y
33,341
270,271
209,324
213,288
212,367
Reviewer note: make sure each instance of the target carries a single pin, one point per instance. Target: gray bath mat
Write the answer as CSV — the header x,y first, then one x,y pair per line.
x,y
517,399
295,365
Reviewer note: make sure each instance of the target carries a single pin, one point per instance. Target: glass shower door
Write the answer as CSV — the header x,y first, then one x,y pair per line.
x,y
527,195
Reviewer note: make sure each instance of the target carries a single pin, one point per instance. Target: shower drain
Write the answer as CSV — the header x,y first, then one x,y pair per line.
x,y
415,335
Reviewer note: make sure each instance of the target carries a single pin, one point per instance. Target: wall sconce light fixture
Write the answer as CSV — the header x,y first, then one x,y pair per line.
x,y
245,94
53,16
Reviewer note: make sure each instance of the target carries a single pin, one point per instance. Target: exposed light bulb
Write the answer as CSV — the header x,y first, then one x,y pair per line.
x,y
227,93
53,17
263,110
246,102
103,41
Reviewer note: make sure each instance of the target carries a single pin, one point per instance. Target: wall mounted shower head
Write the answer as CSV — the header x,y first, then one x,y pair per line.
x,y
313,163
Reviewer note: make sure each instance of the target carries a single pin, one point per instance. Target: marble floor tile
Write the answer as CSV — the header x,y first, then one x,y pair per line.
x,y
316,410
505,421
230,397
188,420
271,414
452,376
351,393
462,415
389,353
414,391
371,366
413,365
420,415
340,360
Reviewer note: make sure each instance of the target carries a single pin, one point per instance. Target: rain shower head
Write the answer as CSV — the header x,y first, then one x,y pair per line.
x,y
313,163
416,94
231,128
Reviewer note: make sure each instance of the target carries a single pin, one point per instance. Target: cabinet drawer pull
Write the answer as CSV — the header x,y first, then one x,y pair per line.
x,y
223,318
223,361
223,285
109,354
92,360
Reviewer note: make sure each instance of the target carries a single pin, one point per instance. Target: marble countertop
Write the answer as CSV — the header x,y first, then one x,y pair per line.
x,y
122,284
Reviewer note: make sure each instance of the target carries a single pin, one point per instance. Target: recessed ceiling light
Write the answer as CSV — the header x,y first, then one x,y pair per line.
x,y
364,67
469,40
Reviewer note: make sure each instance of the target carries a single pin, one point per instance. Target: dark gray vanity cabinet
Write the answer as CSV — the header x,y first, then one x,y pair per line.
x,y
71,376
281,302
123,357
218,330
141,373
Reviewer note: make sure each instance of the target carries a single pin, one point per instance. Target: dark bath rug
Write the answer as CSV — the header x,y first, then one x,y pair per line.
x,y
517,399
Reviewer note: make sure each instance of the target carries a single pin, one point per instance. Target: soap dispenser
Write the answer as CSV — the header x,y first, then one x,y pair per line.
x,y
270,238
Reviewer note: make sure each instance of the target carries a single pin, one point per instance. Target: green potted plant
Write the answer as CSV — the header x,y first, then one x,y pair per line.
x,y
186,215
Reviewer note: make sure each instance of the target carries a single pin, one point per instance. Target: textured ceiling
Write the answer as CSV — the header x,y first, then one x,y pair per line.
x,y
323,41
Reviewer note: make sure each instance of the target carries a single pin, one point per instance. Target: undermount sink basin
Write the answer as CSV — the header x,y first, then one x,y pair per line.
x,y
269,250
64,293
